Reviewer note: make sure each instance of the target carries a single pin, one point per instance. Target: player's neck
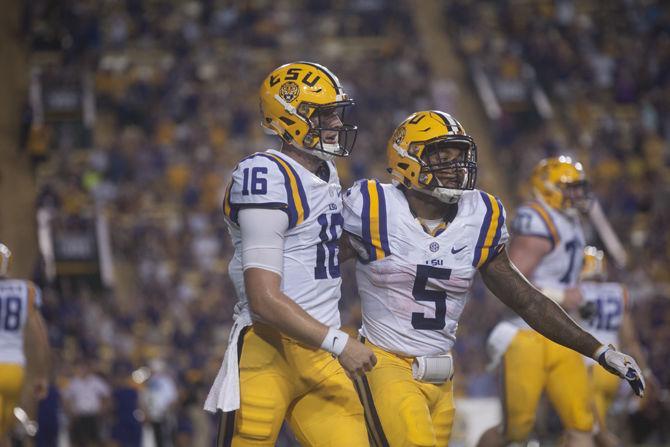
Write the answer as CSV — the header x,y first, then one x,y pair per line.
x,y
310,162
427,207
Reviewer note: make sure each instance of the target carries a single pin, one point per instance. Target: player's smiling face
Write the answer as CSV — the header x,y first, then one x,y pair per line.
x,y
327,119
440,158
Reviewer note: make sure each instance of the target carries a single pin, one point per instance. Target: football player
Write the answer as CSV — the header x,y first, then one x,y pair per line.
x,y
24,346
287,357
420,241
546,247
605,313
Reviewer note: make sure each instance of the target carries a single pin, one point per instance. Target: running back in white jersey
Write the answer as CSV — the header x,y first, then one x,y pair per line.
x,y
414,285
16,297
610,300
560,268
311,273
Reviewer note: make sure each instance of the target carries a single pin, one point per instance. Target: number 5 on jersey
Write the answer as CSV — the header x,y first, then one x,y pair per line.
x,y
439,297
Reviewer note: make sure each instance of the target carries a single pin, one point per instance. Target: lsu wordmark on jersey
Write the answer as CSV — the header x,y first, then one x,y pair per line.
x,y
414,283
17,299
267,376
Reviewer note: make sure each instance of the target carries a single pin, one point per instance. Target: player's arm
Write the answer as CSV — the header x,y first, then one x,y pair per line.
x,y
346,250
36,344
549,319
262,257
526,253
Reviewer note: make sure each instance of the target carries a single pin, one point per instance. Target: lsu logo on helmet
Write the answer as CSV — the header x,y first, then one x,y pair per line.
x,y
294,100
429,147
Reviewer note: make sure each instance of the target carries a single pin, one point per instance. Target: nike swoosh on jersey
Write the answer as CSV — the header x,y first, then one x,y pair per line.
x,y
454,251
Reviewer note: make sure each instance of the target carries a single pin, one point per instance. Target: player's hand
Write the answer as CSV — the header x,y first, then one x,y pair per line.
x,y
572,298
623,366
357,359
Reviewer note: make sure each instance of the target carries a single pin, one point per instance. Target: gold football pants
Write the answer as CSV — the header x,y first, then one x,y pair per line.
x,y
401,411
283,379
533,364
11,384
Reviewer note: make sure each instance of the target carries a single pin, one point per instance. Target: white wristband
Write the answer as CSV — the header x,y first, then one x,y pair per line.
x,y
599,352
335,341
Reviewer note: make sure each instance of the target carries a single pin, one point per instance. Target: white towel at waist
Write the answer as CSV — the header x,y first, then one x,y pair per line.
x,y
225,393
499,340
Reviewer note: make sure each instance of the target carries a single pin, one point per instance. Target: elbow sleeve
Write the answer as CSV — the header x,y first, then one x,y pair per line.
x,y
263,233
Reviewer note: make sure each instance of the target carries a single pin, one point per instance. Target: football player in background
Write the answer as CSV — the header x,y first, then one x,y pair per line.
x,y
606,313
420,242
283,210
24,346
546,246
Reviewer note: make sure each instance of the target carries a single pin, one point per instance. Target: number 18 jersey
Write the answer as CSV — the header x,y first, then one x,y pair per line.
x,y
16,298
311,273
414,285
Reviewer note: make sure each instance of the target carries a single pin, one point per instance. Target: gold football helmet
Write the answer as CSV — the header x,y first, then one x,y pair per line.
x,y
595,265
561,183
430,152
304,104
5,257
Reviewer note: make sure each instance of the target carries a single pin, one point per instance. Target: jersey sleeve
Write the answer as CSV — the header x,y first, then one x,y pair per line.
x,y
365,217
533,220
493,233
265,180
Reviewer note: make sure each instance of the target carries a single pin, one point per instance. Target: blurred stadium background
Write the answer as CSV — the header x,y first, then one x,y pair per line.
x,y
121,120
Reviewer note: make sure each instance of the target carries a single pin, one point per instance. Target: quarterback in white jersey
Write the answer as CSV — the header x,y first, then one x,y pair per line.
x,y
419,243
23,342
606,313
287,358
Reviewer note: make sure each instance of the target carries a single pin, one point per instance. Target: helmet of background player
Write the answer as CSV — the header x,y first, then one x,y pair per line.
x,y
430,152
305,105
561,183
5,257
595,265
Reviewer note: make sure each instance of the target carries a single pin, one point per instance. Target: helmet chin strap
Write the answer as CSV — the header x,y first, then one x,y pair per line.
x,y
446,195
318,154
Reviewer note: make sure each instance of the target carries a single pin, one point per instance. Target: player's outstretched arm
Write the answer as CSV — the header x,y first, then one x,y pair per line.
x,y
548,318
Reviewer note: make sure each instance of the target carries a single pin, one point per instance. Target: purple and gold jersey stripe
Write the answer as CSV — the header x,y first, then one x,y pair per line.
x,y
373,217
548,222
298,208
489,234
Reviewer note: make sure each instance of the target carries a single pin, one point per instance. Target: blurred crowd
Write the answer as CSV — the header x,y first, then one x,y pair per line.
x,y
169,93
174,85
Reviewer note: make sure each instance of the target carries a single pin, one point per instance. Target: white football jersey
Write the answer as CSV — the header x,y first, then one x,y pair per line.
x,y
609,299
560,268
311,273
15,300
414,285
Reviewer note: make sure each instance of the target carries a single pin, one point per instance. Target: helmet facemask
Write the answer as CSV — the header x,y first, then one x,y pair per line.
x,y
576,195
329,135
448,167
